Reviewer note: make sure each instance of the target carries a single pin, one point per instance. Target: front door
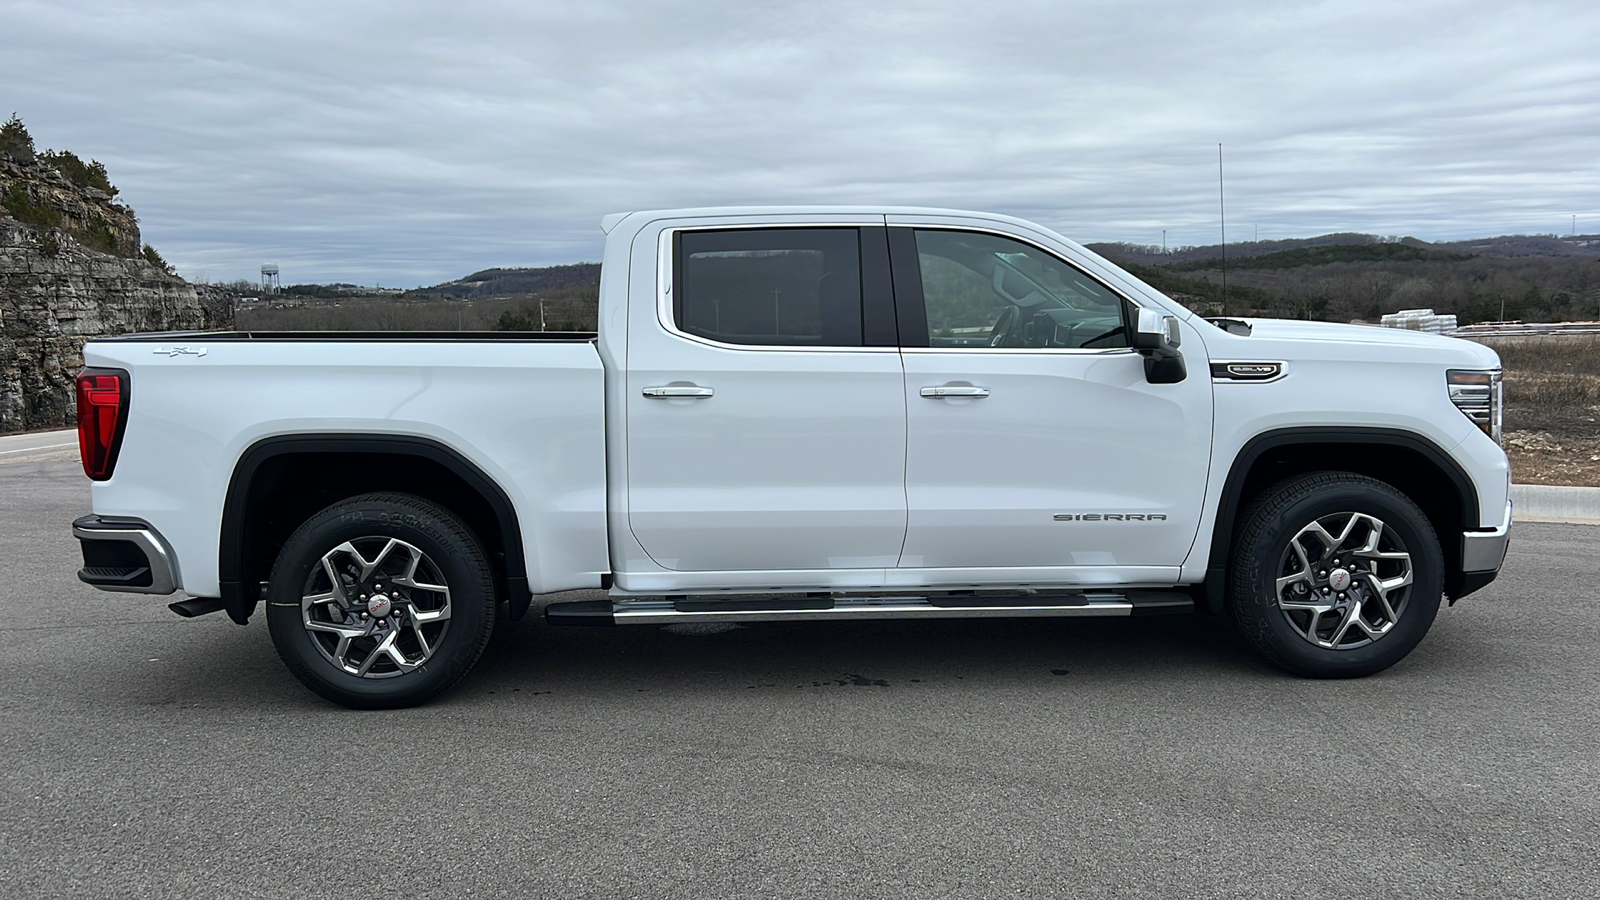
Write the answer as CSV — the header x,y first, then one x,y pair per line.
x,y
1034,441
763,432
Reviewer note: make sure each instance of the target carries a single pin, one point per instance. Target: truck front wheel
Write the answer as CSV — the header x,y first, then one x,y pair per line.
x,y
381,601
1335,575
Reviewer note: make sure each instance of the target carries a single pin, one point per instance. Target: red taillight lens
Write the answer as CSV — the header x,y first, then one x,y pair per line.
x,y
102,411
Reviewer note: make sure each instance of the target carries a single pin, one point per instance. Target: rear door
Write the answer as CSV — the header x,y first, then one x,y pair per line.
x,y
765,403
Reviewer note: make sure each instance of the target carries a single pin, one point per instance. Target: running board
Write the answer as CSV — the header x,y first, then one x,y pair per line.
x,y
814,609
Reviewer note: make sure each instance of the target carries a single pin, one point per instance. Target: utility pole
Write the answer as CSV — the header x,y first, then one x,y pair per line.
x,y
1163,242
1222,215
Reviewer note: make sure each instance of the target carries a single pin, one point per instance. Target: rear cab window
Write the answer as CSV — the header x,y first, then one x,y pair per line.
x,y
769,286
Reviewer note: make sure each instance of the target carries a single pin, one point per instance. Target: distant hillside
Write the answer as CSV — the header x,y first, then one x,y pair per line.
x,y
552,298
553,280
1321,256
1505,246
1339,277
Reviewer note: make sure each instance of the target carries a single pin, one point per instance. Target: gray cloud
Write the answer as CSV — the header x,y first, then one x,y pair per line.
x,y
410,142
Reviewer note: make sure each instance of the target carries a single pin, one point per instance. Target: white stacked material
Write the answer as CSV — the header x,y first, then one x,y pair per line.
x,y
1420,320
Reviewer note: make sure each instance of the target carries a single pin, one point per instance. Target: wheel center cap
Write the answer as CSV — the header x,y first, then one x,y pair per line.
x,y
1339,579
380,605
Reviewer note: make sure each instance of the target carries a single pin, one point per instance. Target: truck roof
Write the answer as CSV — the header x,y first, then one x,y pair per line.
x,y
609,222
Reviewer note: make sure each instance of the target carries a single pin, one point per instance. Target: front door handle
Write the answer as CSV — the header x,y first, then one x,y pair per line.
x,y
954,390
672,391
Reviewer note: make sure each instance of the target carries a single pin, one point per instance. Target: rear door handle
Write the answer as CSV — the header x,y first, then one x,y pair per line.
x,y
954,390
669,391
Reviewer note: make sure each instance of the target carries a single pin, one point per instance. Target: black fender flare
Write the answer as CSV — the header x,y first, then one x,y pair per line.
x,y
240,592
1233,487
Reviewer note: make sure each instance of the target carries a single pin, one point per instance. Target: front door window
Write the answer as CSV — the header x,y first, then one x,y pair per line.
x,y
983,290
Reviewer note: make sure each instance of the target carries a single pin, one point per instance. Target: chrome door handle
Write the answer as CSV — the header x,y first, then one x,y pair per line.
x,y
669,391
954,390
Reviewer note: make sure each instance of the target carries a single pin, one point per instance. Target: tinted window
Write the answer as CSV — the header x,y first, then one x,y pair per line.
x,y
982,290
770,286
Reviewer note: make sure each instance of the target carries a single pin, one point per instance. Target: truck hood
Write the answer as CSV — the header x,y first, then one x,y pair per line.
x,y
1376,339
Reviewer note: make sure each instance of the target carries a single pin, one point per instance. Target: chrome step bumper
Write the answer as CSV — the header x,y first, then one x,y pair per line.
x,y
125,556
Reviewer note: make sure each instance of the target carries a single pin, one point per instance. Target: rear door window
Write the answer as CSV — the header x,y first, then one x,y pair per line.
x,y
769,286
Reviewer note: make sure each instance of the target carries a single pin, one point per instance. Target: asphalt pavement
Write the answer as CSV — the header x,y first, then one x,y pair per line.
x,y
152,756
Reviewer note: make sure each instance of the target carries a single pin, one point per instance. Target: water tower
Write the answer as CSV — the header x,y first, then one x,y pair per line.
x,y
269,279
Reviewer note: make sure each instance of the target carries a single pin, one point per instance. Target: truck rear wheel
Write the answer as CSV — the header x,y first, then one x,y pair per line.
x,y
1335,575
381,601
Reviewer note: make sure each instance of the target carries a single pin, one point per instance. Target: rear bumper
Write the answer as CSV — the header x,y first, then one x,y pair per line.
x,y
124,555
1482,554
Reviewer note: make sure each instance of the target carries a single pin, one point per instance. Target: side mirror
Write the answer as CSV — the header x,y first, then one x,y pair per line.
x,y
1157,336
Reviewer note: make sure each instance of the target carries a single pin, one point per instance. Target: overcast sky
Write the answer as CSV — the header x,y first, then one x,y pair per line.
x,y
409,143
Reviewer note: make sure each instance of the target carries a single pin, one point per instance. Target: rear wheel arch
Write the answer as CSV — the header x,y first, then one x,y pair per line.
x,y
280,482
1409,462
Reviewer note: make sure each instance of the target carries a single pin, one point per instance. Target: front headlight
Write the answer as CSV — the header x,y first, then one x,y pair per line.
x,y
1480,396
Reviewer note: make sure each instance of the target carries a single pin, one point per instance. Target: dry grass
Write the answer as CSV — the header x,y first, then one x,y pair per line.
x,y
1576,354
1552,384
1552,407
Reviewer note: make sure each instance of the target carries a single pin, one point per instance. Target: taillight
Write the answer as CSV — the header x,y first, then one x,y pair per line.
x,y
102,414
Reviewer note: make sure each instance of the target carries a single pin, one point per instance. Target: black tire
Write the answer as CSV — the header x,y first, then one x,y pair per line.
x,y
418,640
1339,642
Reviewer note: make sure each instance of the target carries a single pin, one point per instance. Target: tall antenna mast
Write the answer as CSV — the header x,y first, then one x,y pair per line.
x,y
1222,213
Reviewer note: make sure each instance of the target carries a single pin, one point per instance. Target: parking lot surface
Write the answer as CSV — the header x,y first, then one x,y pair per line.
x,y
151,756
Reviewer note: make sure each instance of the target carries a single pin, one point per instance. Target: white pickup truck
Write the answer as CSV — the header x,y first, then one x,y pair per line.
x,y
797,414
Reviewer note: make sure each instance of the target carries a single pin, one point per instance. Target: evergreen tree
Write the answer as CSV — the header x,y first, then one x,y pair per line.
x,y
15,141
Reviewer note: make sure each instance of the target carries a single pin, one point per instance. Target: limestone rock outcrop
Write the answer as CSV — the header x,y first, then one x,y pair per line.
x,y
58,288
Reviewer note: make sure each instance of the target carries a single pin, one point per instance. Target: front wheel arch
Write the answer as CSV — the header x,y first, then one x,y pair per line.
x,y
1432,480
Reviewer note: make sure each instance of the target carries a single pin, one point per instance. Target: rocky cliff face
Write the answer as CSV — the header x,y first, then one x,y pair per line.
x,y
71,270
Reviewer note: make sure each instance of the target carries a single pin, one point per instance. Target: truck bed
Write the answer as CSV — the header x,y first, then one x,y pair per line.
x,y
527,410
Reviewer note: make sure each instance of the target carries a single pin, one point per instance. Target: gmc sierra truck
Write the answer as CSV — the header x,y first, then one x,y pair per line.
x,y
801,414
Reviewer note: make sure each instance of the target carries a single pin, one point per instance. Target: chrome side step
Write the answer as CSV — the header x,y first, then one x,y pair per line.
x,y
823,609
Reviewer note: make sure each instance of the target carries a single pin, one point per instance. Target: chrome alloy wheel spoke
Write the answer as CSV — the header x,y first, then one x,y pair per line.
x,y
376,607
1341,580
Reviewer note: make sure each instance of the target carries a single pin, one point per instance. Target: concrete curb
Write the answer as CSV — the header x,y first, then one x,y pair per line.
x,y
1555,503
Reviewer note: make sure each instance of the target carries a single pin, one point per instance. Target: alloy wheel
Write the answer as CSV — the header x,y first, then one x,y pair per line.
x,y
1343,580
376,607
